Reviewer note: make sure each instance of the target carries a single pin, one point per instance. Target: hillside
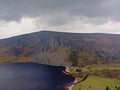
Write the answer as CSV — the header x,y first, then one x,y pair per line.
x,y
56,48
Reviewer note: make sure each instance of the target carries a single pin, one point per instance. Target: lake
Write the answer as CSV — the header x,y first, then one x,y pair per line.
x,y
33,76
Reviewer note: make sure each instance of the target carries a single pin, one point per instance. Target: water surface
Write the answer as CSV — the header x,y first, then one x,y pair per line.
x,y
33,76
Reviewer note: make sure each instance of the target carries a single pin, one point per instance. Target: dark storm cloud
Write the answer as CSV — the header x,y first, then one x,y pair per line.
x,y
59,11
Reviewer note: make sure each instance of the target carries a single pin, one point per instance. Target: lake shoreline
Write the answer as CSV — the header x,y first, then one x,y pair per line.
x,y
75,82
68,73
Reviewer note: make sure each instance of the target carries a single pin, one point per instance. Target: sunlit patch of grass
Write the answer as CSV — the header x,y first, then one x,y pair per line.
x,y
97,83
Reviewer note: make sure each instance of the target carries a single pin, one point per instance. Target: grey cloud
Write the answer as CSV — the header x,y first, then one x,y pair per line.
x,y
59,11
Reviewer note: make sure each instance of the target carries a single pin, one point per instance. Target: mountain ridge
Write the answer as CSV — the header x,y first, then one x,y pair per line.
x,y
59,48
45,31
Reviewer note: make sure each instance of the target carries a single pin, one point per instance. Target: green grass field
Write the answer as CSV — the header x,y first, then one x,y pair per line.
x,y
97,83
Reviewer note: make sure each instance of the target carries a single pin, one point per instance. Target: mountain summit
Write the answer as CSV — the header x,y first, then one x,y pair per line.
x,y
58,48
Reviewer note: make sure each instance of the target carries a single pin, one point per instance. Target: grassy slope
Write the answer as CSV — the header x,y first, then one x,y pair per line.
x,y
97,83
102,67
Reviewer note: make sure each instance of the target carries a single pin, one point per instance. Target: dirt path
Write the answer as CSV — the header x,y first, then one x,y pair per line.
x,y
78,82
86,76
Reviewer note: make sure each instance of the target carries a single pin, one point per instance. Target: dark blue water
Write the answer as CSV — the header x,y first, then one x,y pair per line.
x,y
33,76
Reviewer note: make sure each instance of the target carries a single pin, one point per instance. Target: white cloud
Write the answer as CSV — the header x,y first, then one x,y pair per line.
x,y
13,28
82,26
28,25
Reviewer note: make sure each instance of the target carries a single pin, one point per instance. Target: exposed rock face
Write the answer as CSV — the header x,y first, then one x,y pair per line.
x,y
55,48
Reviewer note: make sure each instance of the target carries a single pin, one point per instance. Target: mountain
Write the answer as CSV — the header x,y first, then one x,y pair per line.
x,y
58,48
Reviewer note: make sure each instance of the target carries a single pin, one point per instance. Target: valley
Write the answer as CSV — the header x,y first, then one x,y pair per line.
x,y
93,59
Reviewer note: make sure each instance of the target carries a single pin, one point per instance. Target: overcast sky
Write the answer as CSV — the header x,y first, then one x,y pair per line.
x,y
83,16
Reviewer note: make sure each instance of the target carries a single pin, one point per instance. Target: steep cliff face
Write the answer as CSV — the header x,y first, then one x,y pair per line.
x,y
57,48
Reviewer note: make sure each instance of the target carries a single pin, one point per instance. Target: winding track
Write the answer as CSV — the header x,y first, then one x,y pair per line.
x,y
86,76
78,82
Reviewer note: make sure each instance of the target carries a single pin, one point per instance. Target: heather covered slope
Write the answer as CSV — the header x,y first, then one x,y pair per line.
x,y
58,48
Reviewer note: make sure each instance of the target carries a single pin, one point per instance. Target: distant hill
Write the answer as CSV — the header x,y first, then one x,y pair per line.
x,y
58,48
